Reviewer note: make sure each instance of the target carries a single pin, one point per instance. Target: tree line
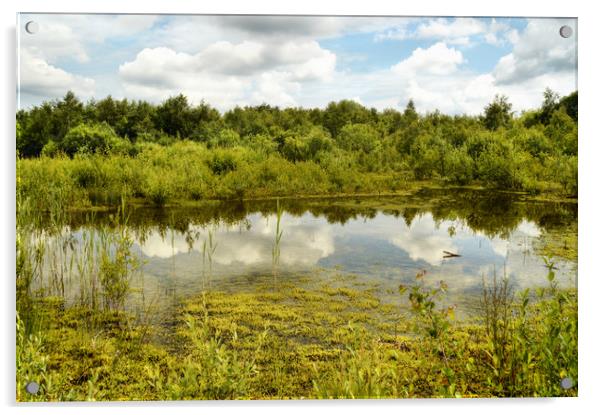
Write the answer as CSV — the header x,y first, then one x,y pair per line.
x,y
532,151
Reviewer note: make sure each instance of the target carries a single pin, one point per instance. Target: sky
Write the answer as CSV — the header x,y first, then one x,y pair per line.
x,y
454,65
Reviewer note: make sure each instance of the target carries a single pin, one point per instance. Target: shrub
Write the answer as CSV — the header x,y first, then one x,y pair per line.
x,y
358,137
89,139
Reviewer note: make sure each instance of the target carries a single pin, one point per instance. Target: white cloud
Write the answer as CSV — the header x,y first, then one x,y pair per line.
x,y
513,36
226,74
39,78
193,33
236,60
462,31
53,41
438,77
274,88
538,50
436,60
73,36
64,38
460,28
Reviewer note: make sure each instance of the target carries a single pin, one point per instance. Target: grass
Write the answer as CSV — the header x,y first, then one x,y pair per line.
x,y
309,340
186,172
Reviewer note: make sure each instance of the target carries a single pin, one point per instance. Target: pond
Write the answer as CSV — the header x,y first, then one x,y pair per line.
x,y
374,242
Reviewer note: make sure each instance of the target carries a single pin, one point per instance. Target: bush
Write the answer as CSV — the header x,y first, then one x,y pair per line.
x,y
90,139
358,137
459,166
222,162
51,149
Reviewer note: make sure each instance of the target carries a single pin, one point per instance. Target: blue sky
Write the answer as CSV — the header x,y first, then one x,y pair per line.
x,y
455,65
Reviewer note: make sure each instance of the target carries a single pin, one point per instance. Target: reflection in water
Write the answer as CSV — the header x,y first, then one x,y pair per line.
x,y
385,250
385,241
305,242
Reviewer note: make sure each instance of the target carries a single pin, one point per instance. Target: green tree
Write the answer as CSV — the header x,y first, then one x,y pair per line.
x,y
306,143
498,113
37,128
571,104
358,137
89,139
173,117
549,105
410,113
68,113
562,131
338,114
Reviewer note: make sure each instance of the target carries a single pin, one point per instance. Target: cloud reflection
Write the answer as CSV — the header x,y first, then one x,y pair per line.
x,y
304,242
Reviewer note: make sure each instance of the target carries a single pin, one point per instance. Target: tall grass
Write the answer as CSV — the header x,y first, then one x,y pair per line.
x,y
277,238
187,171
208,251
523,346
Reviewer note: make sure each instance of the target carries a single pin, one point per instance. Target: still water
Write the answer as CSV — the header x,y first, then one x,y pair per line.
x,y
382,242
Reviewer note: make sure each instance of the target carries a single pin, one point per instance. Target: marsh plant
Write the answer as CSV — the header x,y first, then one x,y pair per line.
x,y
208,251
116,268
277,238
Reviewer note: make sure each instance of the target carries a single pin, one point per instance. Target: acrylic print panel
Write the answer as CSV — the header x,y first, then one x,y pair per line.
x,y
287,207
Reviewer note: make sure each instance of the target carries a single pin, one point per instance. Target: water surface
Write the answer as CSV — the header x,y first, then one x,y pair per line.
x,y
378,242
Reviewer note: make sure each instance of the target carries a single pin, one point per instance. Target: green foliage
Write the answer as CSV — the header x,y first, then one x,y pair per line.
x,y
224,138
223,162
358,137
570,104
91,139
32,364
51,149
410,115
498,113
549,105
338,114
176,151
211,370
531,348
423,300
562,132
459,166
116,268
305,144
426,157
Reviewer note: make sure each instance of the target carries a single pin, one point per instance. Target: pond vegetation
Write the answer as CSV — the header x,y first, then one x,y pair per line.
x,y
313,335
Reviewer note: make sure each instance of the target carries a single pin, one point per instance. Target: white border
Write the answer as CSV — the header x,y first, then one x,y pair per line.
x,y
590,288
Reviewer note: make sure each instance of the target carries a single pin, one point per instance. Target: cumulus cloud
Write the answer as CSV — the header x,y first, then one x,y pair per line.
x,y
225,73
439,77
462,31
54,41
538,50
70,36
44,57
192,33
281,60
456,31
39,78
436,60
